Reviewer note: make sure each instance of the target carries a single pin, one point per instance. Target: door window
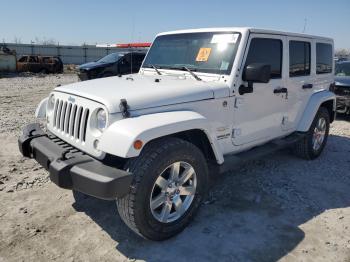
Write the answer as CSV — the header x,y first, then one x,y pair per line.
x,y
23,59
266,51
324,58
299,58
33,59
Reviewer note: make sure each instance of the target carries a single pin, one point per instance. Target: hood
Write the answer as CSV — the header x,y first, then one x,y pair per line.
x,y
92,65
342,81
143,91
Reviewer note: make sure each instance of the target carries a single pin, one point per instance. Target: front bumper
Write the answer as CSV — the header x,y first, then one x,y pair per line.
x,y
70,168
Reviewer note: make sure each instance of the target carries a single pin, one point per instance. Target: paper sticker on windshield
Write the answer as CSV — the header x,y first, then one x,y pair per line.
x,y
224,65
203,54
224,38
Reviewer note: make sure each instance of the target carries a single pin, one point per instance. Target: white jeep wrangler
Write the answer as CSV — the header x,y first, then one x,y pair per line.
x,y
203,99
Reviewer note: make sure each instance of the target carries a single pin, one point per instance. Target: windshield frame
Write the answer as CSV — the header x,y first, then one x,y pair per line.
x,y
196,69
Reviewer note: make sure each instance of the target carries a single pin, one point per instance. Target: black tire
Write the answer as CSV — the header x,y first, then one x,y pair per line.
x,y
79,197
135,208
304,147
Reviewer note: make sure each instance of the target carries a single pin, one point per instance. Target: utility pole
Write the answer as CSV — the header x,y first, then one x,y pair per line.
x,y
32,46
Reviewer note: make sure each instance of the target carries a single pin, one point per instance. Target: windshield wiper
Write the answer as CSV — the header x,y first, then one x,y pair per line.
x,y
191,72
155,68
183,68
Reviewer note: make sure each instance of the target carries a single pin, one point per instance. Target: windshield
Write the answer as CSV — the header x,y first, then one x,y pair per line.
x,y
342,69
202,52
111,58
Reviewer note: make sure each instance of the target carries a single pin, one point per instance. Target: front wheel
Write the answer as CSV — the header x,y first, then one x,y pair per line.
x,y
311,146
170,180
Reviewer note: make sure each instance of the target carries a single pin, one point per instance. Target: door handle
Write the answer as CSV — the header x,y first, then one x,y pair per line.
x,y
280,90
308,86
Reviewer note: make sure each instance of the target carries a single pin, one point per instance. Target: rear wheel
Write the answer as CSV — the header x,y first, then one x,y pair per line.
x,y
311,146
170,180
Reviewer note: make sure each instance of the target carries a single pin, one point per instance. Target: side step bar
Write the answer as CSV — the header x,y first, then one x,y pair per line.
x,y
232,160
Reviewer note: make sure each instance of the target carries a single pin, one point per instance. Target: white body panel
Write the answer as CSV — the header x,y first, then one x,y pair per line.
x,y
177,102
40,111
123,133
311,109
262,108
142,91
74,135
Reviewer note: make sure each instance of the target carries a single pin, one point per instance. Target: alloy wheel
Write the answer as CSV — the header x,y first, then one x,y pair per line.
x,y
173,192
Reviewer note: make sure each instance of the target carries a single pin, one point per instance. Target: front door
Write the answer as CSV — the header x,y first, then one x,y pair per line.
x,y
259,116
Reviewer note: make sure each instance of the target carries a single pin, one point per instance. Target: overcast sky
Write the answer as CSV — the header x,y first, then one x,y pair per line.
x,y
108,21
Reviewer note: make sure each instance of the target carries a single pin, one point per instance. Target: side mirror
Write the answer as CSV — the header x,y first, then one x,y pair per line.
x,y
255,73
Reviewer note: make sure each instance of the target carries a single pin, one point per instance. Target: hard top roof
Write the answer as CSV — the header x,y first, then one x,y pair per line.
x,y
245,30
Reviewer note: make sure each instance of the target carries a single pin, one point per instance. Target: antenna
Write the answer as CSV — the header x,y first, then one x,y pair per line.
x,y
132,40
305,23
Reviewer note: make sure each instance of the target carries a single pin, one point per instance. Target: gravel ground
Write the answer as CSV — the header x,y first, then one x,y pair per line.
x,y
276,208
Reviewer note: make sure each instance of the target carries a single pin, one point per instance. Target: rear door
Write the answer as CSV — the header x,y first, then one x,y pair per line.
x,y
47,63
300,77
258,116
33,64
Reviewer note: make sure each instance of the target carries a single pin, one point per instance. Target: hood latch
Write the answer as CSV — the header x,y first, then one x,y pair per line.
x,y
124,108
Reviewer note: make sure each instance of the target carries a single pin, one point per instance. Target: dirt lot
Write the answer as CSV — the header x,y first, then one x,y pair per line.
x,y
275,208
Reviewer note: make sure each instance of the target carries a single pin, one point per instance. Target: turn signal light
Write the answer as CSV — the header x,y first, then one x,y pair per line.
x,y
138,144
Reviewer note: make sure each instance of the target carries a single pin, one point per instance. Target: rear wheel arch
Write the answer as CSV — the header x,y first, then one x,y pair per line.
x,y
329,105
324,99
305,148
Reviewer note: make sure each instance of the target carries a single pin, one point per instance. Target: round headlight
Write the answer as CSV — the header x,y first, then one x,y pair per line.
x,y
101,119
51,102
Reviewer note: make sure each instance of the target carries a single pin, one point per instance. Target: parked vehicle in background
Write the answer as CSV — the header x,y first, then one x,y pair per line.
x,y
342,86
203,99
119,63
8,61
40,64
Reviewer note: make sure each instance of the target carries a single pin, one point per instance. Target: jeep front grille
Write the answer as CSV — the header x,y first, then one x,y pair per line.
x,y
71,119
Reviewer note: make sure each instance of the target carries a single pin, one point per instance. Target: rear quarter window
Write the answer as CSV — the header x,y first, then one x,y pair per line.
x,y
324,58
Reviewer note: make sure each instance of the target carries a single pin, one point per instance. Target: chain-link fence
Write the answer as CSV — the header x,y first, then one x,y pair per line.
x,y
68,54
